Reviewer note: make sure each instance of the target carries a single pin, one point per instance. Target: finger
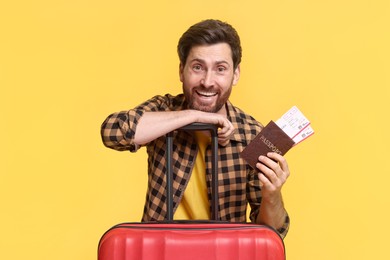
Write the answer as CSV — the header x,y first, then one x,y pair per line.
x,y
225,128
272,171
223,142
277,157
266,184
224,135
263,180
270,163
267,172
282,162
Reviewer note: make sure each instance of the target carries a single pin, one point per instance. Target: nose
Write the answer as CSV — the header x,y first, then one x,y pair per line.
x,y
207,80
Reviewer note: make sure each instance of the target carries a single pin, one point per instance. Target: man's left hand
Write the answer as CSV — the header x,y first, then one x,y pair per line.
x,y
274,173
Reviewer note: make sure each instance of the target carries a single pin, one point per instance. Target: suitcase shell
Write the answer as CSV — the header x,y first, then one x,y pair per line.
x,y
196,240
190,240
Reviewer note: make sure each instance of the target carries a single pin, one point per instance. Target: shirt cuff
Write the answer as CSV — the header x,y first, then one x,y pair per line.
x,y
284,229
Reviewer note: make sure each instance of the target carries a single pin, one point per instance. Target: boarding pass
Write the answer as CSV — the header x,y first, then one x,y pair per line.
x,y
295,125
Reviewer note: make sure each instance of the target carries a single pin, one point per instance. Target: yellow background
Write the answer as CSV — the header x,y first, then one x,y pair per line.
x,y
66,65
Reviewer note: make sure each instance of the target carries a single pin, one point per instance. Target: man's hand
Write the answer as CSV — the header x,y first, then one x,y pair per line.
x,y
273,175
225,130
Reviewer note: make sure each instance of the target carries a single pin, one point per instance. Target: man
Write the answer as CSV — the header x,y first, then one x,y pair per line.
x,y
210,56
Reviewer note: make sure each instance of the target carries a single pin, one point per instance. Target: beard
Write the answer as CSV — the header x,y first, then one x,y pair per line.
x,y
195,103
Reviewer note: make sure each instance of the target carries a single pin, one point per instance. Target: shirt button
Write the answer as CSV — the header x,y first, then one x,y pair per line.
x,y
190,163
180,188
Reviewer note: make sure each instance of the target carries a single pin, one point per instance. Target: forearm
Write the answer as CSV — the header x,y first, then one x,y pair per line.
x,y
273,174
272,213
131,129
155,124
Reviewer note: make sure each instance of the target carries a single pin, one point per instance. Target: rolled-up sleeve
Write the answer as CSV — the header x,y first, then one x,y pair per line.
x,y
282,231
118,130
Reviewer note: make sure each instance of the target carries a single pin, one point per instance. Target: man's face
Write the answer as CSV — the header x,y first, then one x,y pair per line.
x,y
208,77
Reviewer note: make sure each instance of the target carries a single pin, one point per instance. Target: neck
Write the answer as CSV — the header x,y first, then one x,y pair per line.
x,y
223,111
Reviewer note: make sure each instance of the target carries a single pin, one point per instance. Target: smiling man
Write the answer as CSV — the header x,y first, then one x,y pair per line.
x,y
210,56
208,76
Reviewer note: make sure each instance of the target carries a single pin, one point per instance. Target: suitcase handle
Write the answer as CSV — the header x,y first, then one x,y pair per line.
x,y
213,129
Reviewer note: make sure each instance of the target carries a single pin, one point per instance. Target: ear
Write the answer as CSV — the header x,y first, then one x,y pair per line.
x,y
236,75
181,69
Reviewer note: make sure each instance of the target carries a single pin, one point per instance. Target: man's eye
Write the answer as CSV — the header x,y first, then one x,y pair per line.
x,y
221,69
197,67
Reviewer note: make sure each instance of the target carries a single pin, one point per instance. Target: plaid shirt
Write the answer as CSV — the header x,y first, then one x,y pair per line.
x,y
238,183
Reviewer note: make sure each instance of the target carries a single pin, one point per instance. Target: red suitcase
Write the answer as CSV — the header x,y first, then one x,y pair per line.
x,y
174,240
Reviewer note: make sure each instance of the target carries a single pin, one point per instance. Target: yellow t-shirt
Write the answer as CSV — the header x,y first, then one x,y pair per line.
x,y
195,204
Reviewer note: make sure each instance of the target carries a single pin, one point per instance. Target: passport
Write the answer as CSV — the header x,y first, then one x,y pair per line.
x,y
279,137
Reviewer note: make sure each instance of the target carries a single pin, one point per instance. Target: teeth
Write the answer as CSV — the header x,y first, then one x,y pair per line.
x,y
207,94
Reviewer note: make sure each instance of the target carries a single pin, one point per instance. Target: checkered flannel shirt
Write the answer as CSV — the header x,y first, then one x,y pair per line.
x,y
238,183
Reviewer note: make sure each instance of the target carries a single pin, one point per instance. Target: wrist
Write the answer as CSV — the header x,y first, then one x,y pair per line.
x,y
272,199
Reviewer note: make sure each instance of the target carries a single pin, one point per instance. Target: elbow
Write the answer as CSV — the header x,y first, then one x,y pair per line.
x,y
111,135
116,132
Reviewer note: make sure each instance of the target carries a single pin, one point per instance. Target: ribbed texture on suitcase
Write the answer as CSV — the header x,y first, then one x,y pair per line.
x,y
190,241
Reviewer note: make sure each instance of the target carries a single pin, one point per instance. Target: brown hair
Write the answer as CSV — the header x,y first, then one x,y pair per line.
x,y
210,32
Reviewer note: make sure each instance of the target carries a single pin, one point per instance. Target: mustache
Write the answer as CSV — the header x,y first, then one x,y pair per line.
x,y
204,89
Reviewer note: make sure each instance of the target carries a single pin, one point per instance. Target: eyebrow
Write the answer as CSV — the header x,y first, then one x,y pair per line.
x,y
203,61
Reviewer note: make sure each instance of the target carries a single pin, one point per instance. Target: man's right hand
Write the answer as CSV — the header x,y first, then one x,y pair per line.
x,y
225,127
155,124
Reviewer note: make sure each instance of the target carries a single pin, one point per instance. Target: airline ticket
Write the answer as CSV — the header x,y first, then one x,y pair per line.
x,y
295,125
